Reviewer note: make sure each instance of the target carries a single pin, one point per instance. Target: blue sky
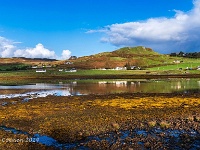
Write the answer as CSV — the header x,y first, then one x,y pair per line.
x,y
60,28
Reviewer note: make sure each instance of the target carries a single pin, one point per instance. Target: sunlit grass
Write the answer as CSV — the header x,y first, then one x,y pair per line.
x,y
176,66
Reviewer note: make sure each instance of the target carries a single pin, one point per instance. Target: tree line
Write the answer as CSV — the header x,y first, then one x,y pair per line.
x,y
187,55
13,67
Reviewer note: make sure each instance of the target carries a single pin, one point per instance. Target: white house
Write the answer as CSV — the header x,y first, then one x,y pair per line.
x,y
120,68
40,70
68,63
34,67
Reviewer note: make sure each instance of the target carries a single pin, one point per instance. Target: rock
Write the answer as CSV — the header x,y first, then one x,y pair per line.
x,y
115,126
147,145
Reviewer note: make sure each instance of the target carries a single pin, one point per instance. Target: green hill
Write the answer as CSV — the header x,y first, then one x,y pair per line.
x,y
140,50
134,56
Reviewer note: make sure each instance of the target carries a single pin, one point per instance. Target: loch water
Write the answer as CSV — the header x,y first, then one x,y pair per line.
x,y
85,87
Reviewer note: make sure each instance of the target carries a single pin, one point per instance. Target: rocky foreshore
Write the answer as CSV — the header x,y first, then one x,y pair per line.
x,y
113,121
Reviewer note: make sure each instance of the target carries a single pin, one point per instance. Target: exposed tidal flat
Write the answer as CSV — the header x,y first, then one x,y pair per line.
x,y
109,121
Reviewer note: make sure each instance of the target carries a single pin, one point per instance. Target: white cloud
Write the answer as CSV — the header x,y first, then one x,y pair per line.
x,y
181,32
66,54
8,48
38,52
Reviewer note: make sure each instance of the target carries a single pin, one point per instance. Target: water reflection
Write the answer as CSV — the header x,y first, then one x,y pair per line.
x,y
79,87
35,94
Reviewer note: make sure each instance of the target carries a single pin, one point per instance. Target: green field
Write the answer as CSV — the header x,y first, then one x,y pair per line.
x,y
176,66
79,72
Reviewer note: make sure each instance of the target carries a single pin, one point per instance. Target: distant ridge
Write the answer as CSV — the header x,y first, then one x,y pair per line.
x,y
28,61
44,59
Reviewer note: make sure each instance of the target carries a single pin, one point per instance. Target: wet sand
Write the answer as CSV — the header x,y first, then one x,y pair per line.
x,y
112,121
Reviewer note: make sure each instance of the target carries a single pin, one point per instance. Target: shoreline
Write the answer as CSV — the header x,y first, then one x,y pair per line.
x,y
82,77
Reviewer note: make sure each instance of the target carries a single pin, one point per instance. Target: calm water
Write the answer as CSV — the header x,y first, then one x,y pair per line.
x,y
80,87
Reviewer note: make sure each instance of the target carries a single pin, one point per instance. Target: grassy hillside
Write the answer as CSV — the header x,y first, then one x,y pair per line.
x,y
135,56
134,51
28,61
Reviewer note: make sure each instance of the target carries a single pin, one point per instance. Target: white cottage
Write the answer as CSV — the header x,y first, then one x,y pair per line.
x,y
40,70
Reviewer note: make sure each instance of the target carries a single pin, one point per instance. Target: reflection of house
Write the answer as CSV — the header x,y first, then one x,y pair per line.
x,y
120,83
176,86
60,70
41,70
103,82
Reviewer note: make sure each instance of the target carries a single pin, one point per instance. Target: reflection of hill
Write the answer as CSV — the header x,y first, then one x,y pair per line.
x,y
106,87
103,87
162,86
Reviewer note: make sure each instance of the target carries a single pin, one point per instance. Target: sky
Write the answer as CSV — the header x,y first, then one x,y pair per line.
x,y
59,29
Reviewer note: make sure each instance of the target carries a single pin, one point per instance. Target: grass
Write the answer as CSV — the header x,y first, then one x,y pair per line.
x,y
136,50
79,72
108,72
176,66
117,59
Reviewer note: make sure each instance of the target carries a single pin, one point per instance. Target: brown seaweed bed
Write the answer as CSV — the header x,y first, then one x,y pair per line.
x,y
112,121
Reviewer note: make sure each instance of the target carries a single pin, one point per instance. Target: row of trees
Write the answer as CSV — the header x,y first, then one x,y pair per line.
x,y
13,67
188,55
